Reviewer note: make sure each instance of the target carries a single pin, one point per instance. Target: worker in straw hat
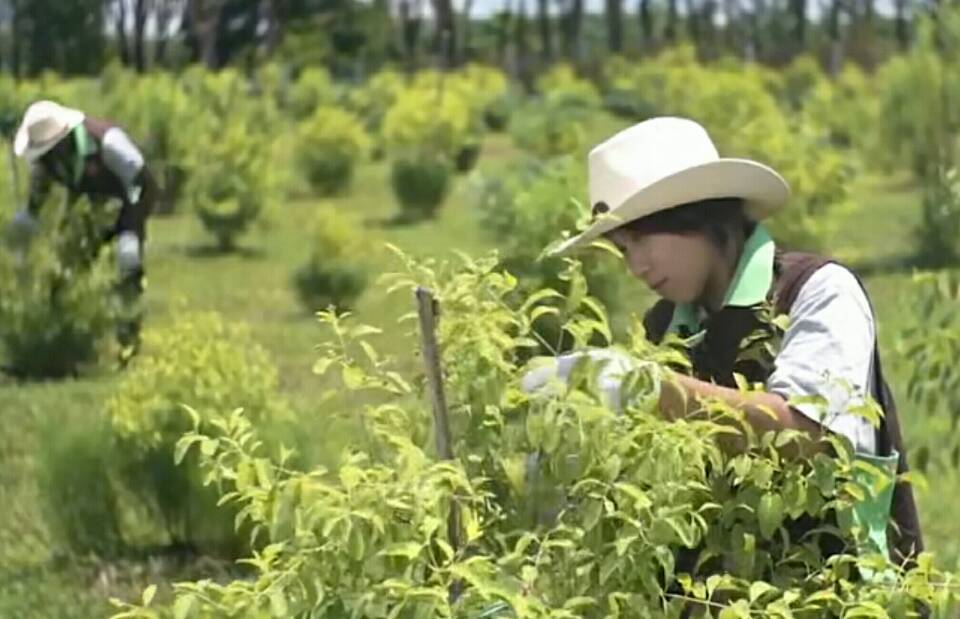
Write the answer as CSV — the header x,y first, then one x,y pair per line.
x,y
689,224
95,158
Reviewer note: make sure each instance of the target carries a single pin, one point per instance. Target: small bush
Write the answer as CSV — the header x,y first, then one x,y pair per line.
x,y
468,156
312,90
497,114
331,143
227,185
56,310
549,128
562,83
420,184
333,274
431,122
212,366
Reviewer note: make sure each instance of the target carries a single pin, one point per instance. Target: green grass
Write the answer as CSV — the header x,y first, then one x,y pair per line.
x,y
253,286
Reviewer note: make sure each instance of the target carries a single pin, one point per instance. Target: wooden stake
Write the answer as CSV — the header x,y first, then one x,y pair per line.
x,y
428,311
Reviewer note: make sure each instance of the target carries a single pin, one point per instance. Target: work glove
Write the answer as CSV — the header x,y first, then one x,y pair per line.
x,y
21,229
550,373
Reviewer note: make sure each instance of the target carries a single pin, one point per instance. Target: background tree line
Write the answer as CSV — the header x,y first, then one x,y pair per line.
x,y
350,36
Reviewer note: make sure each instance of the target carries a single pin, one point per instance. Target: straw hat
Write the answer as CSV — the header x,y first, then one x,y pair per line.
x,y
44,124
665,162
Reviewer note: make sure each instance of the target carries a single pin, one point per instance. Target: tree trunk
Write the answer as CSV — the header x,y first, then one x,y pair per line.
x,y
164,15
571,31
902,28
274,33
708,31
465,46
445,36
615,25
799,10
524,68
836,43
204,22
16,33
670,32
121,26
504,22
693,22
646,25
410,24
140,10
546,32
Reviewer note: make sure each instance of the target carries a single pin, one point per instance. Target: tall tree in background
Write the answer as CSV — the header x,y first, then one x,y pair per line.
x,y
670,30
546,31
901,25
522,46
201,21
614,14
572,22
798,10
141,9
645,14
445,31
410,22
164,12
835,34
63,36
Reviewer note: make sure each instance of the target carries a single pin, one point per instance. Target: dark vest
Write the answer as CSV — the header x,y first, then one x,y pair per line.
x,y
97,179
715,359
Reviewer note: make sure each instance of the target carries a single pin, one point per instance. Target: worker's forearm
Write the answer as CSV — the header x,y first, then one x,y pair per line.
x,y
681,397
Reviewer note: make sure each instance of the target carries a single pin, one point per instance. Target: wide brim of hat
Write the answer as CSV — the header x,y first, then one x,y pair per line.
x,y
763,190
22,147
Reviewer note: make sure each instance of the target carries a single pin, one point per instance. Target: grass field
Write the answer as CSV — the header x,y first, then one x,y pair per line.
x,y
253,285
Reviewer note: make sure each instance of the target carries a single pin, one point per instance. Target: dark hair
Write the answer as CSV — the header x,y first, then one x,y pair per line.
x,y
717,218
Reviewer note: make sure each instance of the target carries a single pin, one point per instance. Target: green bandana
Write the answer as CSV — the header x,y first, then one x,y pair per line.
x,y
750,284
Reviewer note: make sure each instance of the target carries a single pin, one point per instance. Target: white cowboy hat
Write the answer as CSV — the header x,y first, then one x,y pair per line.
x,y
44,124
665,162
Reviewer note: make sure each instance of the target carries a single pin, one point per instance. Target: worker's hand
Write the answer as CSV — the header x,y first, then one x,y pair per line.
x,y
21,229
614,366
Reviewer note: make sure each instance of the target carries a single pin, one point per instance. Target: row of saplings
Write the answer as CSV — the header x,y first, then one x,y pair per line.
x,y
242,168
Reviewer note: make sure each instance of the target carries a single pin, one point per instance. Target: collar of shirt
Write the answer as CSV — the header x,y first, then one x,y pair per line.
x,y
750,284
85,146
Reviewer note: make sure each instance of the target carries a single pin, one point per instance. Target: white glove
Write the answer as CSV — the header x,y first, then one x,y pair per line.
x,y
21,229
128,253
615,366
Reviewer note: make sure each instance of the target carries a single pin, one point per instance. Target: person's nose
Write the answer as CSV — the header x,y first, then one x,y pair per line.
x,y
638,265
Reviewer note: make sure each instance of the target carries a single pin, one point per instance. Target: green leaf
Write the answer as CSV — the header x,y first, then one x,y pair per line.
x,y
515,468
407,550
866,609
770,514
353,377
183,446
278,604
148,594
759,589
185,606
209,446
321,365
739,610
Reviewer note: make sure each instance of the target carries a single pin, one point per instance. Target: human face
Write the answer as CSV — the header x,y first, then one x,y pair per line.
x,y
677,266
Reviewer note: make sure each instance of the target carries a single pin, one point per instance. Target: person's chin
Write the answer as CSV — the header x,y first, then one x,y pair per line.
x,y
669,293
